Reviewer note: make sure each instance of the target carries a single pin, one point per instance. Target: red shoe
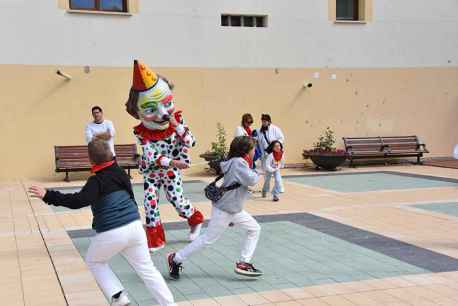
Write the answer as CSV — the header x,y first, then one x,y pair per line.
x,y
156,237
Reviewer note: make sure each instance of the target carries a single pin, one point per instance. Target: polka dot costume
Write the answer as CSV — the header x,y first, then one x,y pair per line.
x,y
159,148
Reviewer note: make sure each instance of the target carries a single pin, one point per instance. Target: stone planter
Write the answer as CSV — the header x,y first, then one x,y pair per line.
x,y
213,160
328,161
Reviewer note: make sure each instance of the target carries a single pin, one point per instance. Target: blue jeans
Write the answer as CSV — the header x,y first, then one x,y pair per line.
x,y
277,182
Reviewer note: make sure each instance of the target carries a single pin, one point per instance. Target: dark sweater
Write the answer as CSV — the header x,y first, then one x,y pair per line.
x,y
108,192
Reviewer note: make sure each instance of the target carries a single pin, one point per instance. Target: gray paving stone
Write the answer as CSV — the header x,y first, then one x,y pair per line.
x,y
325,252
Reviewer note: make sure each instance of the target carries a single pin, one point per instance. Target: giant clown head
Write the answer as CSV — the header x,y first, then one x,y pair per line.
x,y
150,98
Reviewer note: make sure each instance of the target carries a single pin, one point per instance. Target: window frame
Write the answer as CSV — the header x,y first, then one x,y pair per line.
x,y
98,8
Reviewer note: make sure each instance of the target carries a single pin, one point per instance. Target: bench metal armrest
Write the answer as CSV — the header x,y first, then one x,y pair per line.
x,y
420,145
385,148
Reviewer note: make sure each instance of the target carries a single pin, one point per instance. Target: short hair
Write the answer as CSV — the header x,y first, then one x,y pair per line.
x,y
241,146
266,117
96,108
247,117
99,151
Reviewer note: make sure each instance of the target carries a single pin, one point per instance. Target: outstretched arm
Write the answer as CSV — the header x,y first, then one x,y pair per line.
x,y
246,176
88,195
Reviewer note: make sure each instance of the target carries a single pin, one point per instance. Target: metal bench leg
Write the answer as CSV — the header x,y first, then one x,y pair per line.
x,y
67,178
419,160
128,173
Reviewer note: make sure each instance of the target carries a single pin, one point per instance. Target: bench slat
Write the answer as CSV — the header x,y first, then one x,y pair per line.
x,y
75,158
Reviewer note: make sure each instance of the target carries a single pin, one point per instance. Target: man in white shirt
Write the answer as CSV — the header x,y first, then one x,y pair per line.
x,y
268,132
100,128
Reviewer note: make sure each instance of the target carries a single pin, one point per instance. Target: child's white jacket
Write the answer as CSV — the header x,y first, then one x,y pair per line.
x,y
271,165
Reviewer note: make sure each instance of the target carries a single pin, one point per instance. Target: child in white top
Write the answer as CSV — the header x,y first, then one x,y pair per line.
x,y
273,164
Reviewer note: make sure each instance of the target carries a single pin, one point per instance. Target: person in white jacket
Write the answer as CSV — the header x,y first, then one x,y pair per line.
x,y
268,133
273,164
245,128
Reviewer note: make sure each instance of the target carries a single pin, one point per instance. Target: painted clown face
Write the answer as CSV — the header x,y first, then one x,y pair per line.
x,y
155,106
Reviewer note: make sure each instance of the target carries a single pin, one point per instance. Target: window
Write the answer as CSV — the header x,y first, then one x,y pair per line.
x,y
243,21
248,21
99,5
347,10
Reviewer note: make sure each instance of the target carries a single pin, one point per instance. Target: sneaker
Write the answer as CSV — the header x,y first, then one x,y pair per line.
x,y
174,268
195,232
247,269
122,300
275,198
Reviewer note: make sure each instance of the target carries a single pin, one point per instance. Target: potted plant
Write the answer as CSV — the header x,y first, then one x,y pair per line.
x,y
218,151
324,154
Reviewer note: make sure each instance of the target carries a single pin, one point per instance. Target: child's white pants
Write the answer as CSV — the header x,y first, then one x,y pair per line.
x,y
218,224
130,241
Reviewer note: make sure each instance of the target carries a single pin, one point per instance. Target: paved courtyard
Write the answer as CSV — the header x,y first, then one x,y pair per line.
x,y
365,236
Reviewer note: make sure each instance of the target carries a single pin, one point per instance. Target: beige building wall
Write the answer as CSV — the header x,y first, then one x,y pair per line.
x,y
41,109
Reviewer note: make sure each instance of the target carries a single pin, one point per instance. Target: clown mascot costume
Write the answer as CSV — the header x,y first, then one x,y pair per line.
x,y
165,140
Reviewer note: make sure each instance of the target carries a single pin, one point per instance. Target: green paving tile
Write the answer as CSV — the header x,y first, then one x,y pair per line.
x,y
147,302
313,258
364,182
193,190
450,208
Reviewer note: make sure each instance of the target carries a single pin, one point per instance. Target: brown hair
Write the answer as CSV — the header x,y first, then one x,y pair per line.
x,y
246,117
131,104
240,146
266,117
270,148
99,151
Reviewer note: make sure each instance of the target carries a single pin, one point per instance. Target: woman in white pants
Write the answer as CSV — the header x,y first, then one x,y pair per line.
x,y
228,211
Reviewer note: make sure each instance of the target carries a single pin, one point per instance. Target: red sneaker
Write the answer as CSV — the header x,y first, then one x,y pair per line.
x,y
247,269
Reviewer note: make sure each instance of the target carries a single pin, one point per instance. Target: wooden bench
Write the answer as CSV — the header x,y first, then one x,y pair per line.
x,y
384,147
75,158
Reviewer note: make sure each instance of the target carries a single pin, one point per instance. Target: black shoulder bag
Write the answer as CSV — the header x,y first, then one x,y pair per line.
x,y
215,193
